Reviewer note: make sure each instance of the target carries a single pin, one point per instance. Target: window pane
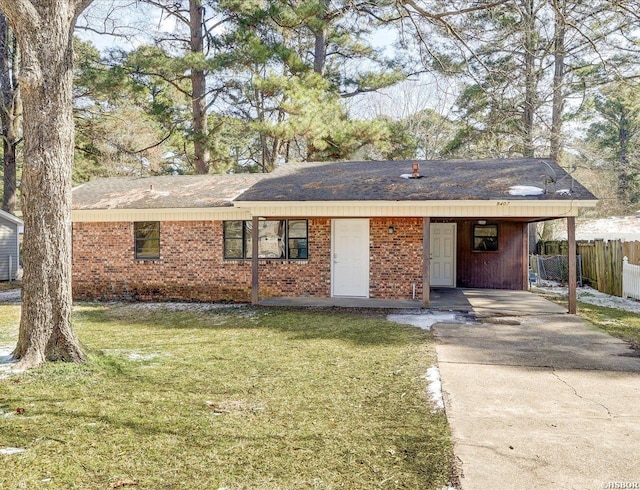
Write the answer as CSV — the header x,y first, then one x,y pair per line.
x,y
147,229
298,248
271,239
248,226
233,229
147,240
233,248
147,249
485,238
298,229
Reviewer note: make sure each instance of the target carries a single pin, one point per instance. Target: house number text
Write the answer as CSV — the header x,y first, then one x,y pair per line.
x,y
503,203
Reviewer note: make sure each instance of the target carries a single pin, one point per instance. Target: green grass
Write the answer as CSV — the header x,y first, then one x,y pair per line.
x,y
9,320
229,398
9,285
619,323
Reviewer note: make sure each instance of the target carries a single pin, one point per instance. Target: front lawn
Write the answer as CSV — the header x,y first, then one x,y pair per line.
x,y
231,398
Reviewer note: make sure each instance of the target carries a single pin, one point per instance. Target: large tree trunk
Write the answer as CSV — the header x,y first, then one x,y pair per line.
x,y
199,89
44,30
558,82
9,113
529,25
623,156
321,36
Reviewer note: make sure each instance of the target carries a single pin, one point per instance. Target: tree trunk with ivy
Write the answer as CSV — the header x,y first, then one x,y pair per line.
x,y
44,30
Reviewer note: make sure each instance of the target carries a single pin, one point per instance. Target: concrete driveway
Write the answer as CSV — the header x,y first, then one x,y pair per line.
x,y
540,401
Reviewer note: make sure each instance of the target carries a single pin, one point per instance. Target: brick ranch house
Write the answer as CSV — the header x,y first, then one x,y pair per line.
x,y
346,229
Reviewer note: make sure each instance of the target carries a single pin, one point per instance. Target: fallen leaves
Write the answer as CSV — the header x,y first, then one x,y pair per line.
x,y
232,406
127,482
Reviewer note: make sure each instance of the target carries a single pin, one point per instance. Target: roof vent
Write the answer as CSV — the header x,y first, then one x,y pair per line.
x,y
415,167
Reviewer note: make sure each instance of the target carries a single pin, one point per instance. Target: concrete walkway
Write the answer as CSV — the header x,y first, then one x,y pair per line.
x,y
496,301
540,401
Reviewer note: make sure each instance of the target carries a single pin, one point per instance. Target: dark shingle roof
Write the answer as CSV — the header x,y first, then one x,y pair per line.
x,y
180,191
441,180
340,181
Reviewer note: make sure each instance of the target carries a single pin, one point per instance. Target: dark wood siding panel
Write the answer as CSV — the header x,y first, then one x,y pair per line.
x,y
503,269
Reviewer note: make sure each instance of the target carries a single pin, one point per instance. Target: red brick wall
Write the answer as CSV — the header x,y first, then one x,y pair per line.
x,y
191,265
301,278
395,259
192,268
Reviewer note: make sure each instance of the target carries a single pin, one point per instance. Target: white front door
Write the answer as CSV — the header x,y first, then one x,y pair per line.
x,y
350,257
443,254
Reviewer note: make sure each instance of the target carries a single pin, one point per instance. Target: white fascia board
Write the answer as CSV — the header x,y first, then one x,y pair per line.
x,y
453,208
159,214
439,203
244,210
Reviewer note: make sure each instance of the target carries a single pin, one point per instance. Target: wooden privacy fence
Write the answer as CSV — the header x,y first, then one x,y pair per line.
x,y
630,280
601,261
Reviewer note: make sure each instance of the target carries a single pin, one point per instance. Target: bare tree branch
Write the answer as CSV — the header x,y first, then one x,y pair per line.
x,y
441,15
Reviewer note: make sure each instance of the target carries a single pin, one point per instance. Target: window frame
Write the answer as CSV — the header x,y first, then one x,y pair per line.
x,y
246,239
143,240
288,238
241,238
483,237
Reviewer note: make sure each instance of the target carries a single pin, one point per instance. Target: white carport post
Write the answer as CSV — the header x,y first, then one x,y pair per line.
x,y
572,259
426,261
255,283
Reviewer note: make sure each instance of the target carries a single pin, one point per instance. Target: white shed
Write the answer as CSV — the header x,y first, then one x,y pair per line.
x,y
10,228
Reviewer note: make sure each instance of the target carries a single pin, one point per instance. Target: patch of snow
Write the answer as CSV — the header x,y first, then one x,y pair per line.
x,y
625,228
435,387
595,297
424,320
5,353
136,356
525,190
8,451
183,306
10,296
6,361
547,283
564,192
